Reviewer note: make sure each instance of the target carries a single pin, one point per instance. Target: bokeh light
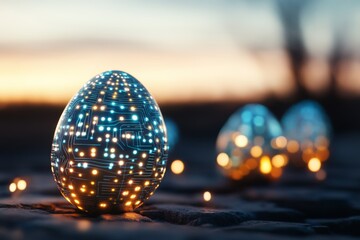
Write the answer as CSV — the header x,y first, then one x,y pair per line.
x,y
207,196
12,187
177,167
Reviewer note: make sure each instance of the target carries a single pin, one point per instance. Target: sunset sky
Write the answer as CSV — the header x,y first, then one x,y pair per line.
x,y
182,51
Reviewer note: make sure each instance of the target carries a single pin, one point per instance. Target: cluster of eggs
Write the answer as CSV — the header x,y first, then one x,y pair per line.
x,y
110,146
254,144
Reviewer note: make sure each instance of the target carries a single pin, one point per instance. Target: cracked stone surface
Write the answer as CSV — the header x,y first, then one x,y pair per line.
x,y
295,207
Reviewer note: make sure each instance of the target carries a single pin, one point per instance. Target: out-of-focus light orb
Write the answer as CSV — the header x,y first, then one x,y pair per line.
x,y
17,184
250,143
172,132
12,187
308,130
177,167
207,196
110,146
314,164
21,185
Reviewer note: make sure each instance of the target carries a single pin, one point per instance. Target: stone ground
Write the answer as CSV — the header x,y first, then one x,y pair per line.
x,y
296,207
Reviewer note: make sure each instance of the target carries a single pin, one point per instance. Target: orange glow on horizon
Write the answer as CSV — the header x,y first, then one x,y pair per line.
x,y
53,77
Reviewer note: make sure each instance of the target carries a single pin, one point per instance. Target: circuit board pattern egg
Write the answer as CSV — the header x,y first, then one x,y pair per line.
x,y
110,146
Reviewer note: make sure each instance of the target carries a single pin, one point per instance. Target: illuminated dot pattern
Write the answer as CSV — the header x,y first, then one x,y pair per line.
x,y
110,146
251,141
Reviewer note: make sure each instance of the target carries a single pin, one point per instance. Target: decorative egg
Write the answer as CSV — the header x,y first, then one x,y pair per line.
x,y
110,148
308,130
250,144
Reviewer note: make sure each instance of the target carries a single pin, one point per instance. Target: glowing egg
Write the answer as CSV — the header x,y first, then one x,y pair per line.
x,y
308,130
110,148
251,144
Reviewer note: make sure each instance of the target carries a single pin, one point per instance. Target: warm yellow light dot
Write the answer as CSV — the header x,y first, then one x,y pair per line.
x,y
81,154
143,155
70,150
241,141
314,164
128,203
21,185
147,183
94,172
112,150
132,108
92,183
279,161
293,146
137,189
133,196
256,151
12,187
121,118
125,193
71,170
207,196
223,159
71,187
137,202
103,205
130,181
121,162
265,165
114,139
76,201
177,167
279,142
93,150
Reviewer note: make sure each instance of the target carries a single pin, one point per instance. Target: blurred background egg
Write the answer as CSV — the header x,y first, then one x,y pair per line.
x,y
250,144
308,130
172,131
